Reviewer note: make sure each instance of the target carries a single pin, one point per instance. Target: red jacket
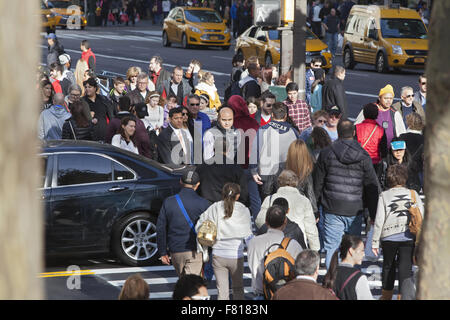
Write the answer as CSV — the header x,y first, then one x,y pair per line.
x,y
375,147
86,55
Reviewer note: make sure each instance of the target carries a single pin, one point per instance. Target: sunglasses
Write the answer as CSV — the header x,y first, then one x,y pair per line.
x,y
423,83
194,104
184,113
321,121
409,96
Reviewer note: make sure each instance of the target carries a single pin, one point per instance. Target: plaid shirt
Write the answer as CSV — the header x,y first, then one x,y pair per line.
x,y
299,113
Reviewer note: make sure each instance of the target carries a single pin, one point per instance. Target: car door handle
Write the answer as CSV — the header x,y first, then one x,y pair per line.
x,y
117,189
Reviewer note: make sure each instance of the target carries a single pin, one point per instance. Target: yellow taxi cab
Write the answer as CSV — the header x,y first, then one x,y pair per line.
x,y
49,19
193,26
385,36
70,15
265,44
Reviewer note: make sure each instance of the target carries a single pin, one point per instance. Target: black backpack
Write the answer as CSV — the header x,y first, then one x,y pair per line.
x,y
232,90
279,268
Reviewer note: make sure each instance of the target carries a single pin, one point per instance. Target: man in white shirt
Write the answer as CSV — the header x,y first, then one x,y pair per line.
x,y
257,247
316,22
173,144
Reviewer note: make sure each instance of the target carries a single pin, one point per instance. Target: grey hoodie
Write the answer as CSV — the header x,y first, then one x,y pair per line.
x,y
51,122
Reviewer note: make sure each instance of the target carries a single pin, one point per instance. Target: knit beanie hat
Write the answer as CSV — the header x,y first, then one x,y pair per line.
x,y
387,89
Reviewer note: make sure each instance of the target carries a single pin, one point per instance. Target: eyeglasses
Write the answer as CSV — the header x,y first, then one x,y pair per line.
x,y
194,104
201,297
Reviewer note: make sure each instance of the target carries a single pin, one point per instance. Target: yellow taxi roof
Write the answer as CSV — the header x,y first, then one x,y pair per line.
x,y
197,8
386,12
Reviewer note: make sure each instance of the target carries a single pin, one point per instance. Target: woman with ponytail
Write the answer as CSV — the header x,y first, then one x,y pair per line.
x,y
233,223
346,281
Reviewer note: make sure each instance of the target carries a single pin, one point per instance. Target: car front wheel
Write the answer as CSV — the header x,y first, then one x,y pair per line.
x,y
166,42
349,62
184,42
382,64
134,239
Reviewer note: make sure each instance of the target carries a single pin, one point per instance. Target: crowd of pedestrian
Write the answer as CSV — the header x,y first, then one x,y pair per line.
x,y
267,170
238,13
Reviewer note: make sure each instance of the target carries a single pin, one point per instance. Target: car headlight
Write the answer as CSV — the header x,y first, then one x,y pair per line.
x,y
397,49
325,51
194,29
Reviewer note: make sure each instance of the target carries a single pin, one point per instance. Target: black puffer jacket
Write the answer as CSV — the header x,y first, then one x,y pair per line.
x,y
80,132
340,175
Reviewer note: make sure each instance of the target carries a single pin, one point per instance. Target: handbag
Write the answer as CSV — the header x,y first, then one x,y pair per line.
x,y
415,221
207,233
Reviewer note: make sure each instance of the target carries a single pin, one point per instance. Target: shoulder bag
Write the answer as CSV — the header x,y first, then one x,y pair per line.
x,y
189,221
415,221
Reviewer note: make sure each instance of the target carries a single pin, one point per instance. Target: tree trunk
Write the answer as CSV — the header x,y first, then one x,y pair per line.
x,y
20,206
434,260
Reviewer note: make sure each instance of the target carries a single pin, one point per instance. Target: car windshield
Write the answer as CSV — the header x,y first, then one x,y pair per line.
x,y
202,16
403,28
276,34
59,4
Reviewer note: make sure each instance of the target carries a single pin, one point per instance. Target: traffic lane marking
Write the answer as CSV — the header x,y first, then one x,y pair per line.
x,y
138,61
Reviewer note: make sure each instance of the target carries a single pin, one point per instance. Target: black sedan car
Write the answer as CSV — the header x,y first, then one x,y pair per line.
x,y
99,198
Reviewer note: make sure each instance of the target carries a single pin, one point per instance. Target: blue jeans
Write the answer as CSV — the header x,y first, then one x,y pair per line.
x,y
334,227
253,195
331,40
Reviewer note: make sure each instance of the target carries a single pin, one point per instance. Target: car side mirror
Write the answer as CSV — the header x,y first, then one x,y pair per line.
x,y
262,38
373,34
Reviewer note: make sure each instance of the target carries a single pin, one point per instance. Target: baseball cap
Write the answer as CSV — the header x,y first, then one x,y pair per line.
x,y
141,110
398,145
64,58
190,177
333,110
51,36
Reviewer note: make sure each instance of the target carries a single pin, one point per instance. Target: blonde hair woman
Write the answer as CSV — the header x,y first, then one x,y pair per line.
x,y
131,80
207,85
299,160
80,70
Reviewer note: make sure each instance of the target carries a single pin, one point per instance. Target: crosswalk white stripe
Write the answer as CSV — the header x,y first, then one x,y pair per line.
x,y
88,36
